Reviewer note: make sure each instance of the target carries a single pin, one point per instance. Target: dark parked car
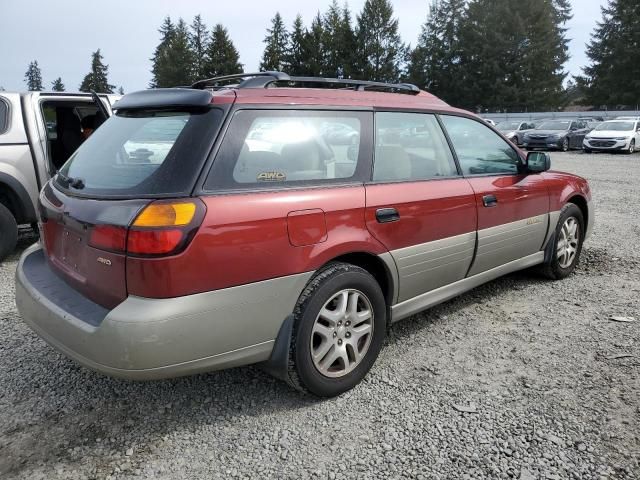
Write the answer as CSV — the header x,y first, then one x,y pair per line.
x,y
515,131
557,135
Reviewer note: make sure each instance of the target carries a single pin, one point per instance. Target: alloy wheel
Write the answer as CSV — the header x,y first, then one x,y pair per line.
x,y
632,146
565,145
342,333
567,247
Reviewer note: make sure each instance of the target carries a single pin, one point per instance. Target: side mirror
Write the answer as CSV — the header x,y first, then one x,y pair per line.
x,y
538,162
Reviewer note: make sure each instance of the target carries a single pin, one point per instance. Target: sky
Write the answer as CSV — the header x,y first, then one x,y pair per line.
x,y
61,35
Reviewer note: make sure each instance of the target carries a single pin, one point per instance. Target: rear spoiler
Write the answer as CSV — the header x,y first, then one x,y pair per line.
x,y
164,98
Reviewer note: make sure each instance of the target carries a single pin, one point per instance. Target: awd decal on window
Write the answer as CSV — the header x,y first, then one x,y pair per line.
x,y
271,177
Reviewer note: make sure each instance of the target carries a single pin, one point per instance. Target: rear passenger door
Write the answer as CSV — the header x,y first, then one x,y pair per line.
x,y
418,205
513,208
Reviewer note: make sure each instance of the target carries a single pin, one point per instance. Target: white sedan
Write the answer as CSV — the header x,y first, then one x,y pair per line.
x,y
614,135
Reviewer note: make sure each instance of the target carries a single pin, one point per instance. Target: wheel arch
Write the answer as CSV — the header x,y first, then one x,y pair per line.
x,y
583,205
14,196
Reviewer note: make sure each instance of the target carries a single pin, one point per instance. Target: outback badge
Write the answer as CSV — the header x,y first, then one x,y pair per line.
x,y
104,261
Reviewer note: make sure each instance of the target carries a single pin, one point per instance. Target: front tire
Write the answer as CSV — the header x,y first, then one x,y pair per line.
x,y
340,323
566,247
632,147
565,145
8,232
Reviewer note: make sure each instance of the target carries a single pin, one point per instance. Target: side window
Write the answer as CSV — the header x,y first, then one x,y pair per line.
x,y
480,151
410,146
275,147
4,116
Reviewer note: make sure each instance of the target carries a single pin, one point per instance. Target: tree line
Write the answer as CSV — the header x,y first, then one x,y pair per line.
x,y
96,80
483,55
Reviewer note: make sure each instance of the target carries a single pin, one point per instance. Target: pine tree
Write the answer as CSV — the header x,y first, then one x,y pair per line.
x,y
33,77
338,40
96,80
120,90
57,85
434,64
380,51
296,62
613,76
221,57
515,65
276,41
199,44
315,51
160,69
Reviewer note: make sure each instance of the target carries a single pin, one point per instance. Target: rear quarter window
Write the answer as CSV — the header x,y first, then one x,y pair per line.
x,y
280,148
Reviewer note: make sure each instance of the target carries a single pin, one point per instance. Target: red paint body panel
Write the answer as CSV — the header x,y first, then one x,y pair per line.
x,y
244,239
519,197
562,186
306,227
429,210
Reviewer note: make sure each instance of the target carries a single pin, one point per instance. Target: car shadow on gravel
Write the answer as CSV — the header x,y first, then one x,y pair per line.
x,y
72,409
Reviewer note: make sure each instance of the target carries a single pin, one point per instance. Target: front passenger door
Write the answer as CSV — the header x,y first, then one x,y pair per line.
x,y
513,208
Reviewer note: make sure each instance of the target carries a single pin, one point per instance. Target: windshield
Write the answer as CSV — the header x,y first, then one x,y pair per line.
x,y
554,126
508,126
142,153
615,126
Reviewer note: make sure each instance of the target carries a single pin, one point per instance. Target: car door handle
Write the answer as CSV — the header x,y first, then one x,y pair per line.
x,y
489,201
386,215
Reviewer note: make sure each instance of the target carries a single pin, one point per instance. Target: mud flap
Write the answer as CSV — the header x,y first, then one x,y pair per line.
x,y
278,363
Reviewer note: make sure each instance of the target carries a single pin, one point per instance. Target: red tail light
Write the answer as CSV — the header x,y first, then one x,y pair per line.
x,y
153,242
161,228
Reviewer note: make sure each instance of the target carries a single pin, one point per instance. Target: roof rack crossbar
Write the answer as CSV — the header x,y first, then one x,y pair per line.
x,y
265,79
213,82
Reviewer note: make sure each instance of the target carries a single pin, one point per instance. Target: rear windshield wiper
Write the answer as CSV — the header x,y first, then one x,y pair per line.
x,y
77,183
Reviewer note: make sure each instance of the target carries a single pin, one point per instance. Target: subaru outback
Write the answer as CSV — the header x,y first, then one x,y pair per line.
x,y
282,221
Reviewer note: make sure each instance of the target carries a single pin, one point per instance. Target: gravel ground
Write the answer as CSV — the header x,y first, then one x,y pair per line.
x,y
521,378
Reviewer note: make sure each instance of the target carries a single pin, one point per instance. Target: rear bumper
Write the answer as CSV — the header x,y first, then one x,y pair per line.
x,y
145,338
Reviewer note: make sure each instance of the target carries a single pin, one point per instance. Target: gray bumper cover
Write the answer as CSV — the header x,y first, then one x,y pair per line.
x,y
145,338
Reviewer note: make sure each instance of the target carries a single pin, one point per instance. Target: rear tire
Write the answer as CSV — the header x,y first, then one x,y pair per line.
x,y
565,145
8,232
331,351
567,244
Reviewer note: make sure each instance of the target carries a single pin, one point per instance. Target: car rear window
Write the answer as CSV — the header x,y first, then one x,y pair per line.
x,y
142,153
275,148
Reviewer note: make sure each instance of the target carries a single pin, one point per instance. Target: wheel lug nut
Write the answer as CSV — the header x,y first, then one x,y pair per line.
x,y
335,334
348,323
348,334
340,342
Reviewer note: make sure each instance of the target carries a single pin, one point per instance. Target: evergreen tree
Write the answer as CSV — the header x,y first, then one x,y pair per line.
x,y
276,42
96,79
516,65
33,77
221,57
120,90
315,51
198,42
296,62
57,85
434,64
380,51
173,61
161,68
338,40
613,76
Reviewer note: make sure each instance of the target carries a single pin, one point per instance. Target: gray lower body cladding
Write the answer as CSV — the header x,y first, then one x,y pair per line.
x,y
146,338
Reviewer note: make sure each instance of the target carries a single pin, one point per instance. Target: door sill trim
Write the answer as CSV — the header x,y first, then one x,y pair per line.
x,y
442,294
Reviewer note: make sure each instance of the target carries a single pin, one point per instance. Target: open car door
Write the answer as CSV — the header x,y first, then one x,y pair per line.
x,y
104,112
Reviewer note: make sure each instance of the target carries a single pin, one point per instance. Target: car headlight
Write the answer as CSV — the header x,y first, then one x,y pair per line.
x,y
622,138
555,137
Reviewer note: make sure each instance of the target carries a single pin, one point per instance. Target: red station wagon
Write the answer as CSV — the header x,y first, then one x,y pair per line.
x,y
286,221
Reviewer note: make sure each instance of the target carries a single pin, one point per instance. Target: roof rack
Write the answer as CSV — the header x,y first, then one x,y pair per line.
x,y
266,79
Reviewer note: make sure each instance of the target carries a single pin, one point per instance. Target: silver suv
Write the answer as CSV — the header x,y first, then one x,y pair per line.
x,y
38,133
